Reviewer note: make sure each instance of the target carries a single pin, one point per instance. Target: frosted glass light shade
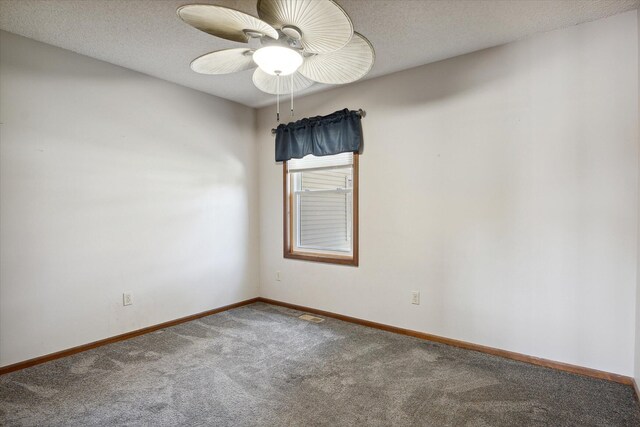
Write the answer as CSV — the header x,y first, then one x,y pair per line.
x,y
276,60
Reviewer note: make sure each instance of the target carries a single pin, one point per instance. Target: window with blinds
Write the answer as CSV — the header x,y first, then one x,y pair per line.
x,y
321,199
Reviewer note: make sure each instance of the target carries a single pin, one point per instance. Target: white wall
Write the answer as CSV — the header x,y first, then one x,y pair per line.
x,y
113,181
503,185
513,210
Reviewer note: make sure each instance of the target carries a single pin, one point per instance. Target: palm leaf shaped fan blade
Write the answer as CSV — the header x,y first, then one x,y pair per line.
x,y
321,25
346,65
224,61
269,84
224,22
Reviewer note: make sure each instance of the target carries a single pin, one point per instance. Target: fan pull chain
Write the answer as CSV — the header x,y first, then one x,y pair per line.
x,y
291,94
278,97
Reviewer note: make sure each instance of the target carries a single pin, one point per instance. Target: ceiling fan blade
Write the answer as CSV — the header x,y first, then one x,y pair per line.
x,y
323,25
224,61
346,65
223,22
269,84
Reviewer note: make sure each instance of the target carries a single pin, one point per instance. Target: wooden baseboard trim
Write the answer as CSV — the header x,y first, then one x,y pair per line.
x,y
580,370
121,337
594,373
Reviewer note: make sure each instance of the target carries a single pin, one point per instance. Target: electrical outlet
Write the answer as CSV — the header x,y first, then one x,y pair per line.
x,y
278,277
127,298
415,297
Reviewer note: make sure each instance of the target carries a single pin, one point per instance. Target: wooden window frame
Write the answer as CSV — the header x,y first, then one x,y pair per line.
x,y
287,224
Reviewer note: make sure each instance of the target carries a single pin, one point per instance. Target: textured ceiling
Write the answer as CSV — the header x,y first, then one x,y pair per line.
x,y
147,36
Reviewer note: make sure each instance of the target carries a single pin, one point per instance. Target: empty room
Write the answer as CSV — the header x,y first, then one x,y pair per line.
x,y
319,213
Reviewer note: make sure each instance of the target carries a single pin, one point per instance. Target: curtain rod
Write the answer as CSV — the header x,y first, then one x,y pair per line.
x,y
360,112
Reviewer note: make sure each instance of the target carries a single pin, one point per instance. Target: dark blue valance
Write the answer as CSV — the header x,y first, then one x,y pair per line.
x,y
339,132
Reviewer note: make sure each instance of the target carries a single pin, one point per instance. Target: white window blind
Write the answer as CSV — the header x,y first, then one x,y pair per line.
x,y
323,203
313,162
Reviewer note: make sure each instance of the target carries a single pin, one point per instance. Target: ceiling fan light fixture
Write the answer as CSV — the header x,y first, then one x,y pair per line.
x,y
277,60
305,40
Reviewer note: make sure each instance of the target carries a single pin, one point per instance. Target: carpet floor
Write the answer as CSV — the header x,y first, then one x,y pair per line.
x,y
260,365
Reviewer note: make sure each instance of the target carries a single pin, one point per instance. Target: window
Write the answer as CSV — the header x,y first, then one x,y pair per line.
x,y
321,208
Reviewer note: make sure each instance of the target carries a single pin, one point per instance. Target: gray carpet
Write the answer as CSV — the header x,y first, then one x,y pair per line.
x,y
261,365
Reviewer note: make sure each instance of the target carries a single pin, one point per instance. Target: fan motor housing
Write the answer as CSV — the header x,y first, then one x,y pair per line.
x,y
292,31
284,40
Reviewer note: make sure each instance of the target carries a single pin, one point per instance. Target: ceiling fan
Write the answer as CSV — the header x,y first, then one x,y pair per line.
x,y
307,40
